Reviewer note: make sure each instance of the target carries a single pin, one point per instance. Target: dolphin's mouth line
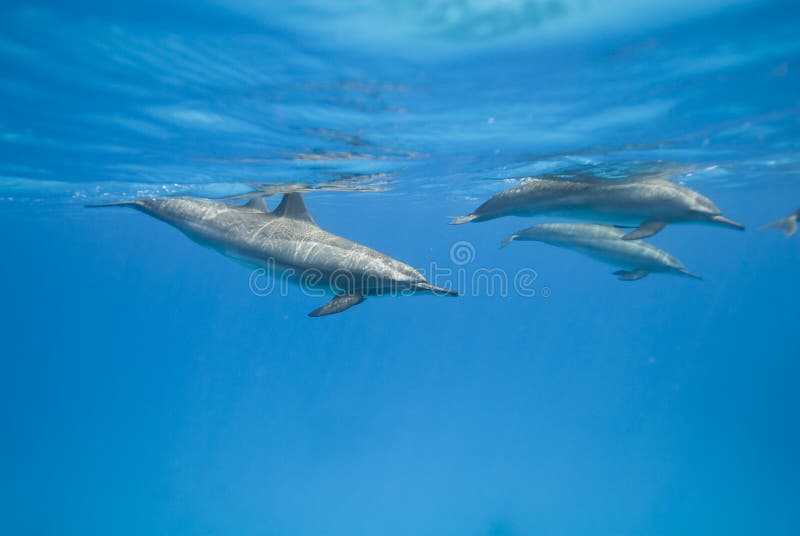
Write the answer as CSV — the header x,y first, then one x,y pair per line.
x,y
435,290
402,289
719,218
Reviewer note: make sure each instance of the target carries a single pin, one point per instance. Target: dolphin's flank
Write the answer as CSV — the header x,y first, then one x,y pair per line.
x,y
290,243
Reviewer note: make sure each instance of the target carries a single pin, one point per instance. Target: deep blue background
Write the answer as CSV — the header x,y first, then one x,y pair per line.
x,y
145,390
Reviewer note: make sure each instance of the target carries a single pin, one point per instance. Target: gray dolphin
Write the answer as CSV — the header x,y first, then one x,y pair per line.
x,y
649,204
289,240
788,224
604,242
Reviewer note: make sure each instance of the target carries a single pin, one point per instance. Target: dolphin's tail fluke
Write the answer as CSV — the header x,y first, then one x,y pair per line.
x,y
508,240
788,225
719,218
458,220
436,290
116,204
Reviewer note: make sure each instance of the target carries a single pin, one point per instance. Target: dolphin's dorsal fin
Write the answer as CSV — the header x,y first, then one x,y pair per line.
x,y
256,203
292,206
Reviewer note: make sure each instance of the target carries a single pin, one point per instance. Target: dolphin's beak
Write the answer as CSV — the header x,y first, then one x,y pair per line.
x,y
435,290
687,273
719,218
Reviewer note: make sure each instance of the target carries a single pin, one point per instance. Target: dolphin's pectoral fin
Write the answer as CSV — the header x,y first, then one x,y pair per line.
x,y
630,275
339,303
648,228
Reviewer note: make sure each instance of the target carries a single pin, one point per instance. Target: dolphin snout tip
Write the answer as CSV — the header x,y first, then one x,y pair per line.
x,y
459,220
719,218
687,273
508,240
439,291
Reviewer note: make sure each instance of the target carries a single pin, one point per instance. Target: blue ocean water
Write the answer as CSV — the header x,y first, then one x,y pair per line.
x,y
146,389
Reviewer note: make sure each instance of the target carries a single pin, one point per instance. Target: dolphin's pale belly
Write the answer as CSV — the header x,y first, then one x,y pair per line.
x,y
617,252
630,218
594,210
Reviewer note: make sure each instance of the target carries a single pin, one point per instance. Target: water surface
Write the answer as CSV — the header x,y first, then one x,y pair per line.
x,y
146,390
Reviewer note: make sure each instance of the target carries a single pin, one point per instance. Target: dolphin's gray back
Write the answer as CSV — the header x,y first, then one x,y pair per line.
x,y
631,200
534,194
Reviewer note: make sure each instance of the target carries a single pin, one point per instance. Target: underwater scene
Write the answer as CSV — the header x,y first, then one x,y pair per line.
x,y
445,267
